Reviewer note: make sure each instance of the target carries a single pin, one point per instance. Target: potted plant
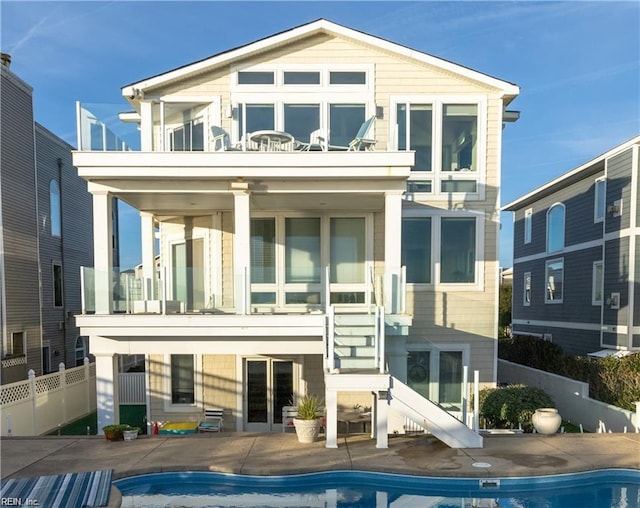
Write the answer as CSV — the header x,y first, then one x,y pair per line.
x,y
116,432
308,421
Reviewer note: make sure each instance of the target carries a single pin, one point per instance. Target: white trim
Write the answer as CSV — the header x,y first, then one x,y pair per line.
x,y
595,327
558,182
320,26
572,248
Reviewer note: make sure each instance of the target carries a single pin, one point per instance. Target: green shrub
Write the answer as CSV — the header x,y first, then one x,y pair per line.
x,y
512,406
309,407
611,380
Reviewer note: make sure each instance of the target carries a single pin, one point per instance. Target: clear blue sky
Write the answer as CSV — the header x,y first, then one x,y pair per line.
x,y
577,63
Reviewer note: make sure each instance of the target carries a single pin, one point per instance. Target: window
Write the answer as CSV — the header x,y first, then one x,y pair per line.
x,y
301,78
347,78
419,186
450,379
447,139
416,249
57,286
457,250
528,217
300,120
526,294
18,343
182,379
81,350
256,78
600,200
554,273
597,283
188,137
344,122
256,117
555,228
46,359
55,216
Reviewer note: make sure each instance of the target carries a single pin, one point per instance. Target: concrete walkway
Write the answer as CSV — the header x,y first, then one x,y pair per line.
x,y
278,453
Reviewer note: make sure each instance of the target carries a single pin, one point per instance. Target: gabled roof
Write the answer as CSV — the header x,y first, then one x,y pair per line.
x,y
575,175
307,30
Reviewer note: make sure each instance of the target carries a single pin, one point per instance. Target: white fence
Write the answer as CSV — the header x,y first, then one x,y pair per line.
x,y
41,404
572,399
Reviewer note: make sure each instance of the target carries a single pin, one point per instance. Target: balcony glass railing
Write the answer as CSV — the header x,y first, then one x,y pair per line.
x,y
176,290
101,129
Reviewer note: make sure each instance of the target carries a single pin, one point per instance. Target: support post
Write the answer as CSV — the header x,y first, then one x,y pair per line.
x,y
241,245
476,400
382,420
103,252
108,403
331,400
392,245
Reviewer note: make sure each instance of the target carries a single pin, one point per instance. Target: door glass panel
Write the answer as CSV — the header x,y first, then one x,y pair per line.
x,y
282,388
302,250
182,379
457,250
188,273
256,391
418,374
450,382
348,250
263,251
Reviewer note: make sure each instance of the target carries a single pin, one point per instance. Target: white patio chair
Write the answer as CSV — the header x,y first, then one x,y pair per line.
x,y
212,421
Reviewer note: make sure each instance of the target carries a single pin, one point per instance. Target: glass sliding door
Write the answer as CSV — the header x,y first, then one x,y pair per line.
x,y
263,261
187,273
450,380
303,267
347,260
268,387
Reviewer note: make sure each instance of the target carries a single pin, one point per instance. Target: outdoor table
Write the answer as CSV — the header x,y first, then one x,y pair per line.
x,y
270,141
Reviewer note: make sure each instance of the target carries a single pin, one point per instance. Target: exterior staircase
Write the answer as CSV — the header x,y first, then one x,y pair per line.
x,y
355,342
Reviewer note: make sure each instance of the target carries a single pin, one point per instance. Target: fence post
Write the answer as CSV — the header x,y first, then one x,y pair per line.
x,y
63,385
32,391
476,400
87,385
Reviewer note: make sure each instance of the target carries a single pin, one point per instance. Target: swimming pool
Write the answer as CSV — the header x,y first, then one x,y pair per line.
x,y
609,488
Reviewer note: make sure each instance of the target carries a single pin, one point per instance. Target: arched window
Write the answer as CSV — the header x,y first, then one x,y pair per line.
x,y
54,209
555,228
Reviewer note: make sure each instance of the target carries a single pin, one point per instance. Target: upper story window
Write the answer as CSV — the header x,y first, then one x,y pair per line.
x,y
528,218
55,216
600,201
416,249
18,343
555,228
554,273
526,293
301,78
447,137
597,283
458,250
347,78
256,78
58,300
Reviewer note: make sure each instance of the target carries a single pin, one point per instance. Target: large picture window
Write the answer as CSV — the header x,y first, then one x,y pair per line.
x,y
457,250
416,249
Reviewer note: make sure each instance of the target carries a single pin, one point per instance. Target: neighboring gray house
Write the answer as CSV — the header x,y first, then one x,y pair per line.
x,y
45,237
576,272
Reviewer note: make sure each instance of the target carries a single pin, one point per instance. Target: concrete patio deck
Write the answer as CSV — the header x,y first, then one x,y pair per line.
x,y
278,453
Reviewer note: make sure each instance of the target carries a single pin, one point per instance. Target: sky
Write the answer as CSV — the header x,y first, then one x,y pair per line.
x,y
577,64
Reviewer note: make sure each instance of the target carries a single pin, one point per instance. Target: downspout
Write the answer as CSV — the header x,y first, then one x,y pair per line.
x,y
64,266
3,292
37,203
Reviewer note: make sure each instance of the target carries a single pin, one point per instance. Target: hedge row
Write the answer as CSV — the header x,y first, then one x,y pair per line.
x,y
612,380
512,406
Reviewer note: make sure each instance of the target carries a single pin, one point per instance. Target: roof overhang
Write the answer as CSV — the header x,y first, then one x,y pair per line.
x,y
136,90
585,170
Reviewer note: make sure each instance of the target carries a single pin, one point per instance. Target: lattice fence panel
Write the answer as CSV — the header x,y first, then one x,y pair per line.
x,y
15,393
47,383
75,376
92,370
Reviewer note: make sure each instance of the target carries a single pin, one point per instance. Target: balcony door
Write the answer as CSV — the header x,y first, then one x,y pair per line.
x,y
187,273
268,386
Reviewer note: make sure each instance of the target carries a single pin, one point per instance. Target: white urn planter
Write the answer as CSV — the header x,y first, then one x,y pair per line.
x,y
307,430
546,420
130,435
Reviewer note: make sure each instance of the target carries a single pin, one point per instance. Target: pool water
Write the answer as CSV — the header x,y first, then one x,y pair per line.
x,y
610,488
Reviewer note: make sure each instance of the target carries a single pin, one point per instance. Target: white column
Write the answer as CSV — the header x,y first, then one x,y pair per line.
x,y
107,399
146,126
103,252
147,236
331,429
241,245
392,250
381,423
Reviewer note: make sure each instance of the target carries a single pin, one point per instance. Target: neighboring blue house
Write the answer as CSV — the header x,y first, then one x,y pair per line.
x,y
576,273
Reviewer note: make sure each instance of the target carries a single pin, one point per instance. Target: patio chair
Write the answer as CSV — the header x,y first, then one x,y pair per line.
x,y
317,141
362,141
220,140
212,422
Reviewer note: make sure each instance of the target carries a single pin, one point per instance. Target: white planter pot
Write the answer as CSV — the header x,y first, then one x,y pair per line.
x,y
130,435
307,430
546,420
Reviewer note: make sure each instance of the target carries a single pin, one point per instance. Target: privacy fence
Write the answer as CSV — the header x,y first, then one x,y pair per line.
x,y
41,404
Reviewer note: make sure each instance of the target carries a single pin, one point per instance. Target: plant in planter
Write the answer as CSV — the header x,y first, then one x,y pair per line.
x,y
131,433
116,432
308,421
